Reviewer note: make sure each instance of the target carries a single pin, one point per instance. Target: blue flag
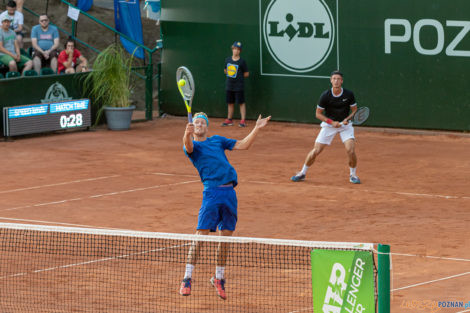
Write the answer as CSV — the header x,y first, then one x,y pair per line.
x,y
84,5
128,21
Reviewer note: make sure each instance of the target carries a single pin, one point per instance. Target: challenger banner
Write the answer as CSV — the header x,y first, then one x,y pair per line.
x,y
342,281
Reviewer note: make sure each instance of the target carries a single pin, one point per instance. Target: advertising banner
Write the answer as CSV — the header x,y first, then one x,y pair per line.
x,y
407,61
342,281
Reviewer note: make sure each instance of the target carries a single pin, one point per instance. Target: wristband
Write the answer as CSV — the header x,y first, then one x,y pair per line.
x,y
329,121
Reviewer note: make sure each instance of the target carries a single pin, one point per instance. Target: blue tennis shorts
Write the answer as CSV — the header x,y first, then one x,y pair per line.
x,y
219,209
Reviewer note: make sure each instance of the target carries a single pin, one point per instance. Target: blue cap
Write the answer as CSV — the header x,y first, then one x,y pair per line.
x,y
237,44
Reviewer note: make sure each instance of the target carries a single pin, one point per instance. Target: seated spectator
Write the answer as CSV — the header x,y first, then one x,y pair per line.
x,y
45,41
71,60
17,20
19,5
9,50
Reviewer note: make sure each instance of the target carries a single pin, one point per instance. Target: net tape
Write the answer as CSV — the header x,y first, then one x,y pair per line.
x,y
191,237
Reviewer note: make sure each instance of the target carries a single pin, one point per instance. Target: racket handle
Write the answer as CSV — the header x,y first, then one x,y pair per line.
x,y
190,117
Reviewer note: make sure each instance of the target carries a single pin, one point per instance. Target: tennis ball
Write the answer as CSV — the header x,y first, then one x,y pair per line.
x,y
181,82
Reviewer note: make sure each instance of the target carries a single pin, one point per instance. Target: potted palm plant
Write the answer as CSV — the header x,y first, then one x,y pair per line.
x,y
110,85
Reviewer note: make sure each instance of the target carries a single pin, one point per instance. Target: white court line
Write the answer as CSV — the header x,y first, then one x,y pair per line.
x,y
59,184
84,181
92,261
423,195
302,310
431,257
100,195
255,182
340,188
168,174
367,190
431,281
57,223
186,175
464,311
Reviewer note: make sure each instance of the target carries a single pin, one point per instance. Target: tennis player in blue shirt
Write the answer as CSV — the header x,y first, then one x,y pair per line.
x,y
219,200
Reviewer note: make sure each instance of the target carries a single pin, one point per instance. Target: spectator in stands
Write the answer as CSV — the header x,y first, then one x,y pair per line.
x,y
71,60
9,50
17,20
45,41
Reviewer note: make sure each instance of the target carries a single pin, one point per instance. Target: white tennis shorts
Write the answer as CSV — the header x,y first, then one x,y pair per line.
x,y
328,133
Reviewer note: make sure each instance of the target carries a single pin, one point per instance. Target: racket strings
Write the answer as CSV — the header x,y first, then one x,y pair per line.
x,y
361,115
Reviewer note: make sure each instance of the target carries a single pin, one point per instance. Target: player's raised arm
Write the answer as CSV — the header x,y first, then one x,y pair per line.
x,y
188,138
246,142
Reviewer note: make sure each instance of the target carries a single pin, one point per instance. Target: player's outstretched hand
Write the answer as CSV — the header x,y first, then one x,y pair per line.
x,y
261,122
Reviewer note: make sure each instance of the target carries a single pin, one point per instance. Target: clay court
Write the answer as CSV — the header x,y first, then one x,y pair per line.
x,y
415,193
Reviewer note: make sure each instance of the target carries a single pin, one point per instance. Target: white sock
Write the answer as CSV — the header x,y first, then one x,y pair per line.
x,y
352,171
304,170
219,272
189,271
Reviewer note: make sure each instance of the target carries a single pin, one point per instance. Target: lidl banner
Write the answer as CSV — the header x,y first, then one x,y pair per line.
x,y
342,281
299,40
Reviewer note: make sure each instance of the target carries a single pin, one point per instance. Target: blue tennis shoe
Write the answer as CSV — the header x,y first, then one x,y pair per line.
x,y
298,177
354,179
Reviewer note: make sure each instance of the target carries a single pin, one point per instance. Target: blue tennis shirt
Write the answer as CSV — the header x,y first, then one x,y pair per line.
x,y
211,162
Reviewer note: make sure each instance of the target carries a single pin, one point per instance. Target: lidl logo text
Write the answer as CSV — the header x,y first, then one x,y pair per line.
x,y
303,29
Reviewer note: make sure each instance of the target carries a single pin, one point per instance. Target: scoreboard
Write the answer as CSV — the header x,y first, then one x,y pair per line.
x,y
46,117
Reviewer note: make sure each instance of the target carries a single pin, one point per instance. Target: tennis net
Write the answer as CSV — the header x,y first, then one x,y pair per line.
x,y
67,269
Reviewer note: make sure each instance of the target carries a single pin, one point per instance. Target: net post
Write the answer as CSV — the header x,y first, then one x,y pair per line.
x,y
383,278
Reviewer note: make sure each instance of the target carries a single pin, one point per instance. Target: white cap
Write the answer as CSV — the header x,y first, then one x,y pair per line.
x,y
5,17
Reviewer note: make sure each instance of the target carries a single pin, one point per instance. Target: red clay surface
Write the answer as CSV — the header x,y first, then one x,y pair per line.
x,y
415,193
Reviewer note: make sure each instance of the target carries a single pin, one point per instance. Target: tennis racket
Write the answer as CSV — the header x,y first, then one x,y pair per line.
x,y
187,90
361,115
